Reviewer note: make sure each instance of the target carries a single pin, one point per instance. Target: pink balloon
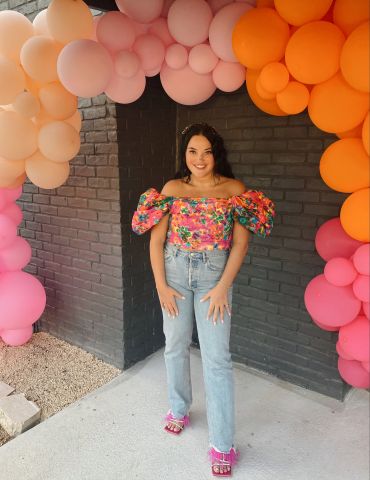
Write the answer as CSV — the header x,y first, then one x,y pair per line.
x,y
361,288
85,68
22,300
160,28
330,305
140,28
150,49
126,64
189,21
144,11
325,327
11,194
366,309
342,353
115,31
353,373
361,259
152,73
16,256
354,338
126,90
216,5
228,76
185,86
166,6
8,231
366,366
176,56
202,59
17,337
340,271
332,241
13,212
221,30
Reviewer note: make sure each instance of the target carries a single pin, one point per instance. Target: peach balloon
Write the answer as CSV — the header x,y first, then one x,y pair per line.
x,y
365,134
355,215
228,76
115,31
18,182
41,118
260,37
18,136
297,12
216,5
44,173
176,56
126,90
69,20
12,80
160,28
189,21
40,24
150,50
348,15
75,120
126,64
344,166
144,11
15,29
354,59
39,57
85,68
27,104
266,105
58,141
10,169
335,106
274,77
313,51
57,101
294,98
202,59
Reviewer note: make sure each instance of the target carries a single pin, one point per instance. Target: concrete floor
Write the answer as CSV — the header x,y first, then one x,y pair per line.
x,y
284,433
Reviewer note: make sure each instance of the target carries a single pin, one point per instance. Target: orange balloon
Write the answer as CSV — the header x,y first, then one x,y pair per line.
x,y
349,14
262,92
297,12
294,98
18,181
12,80
265,4
355,215
15,29
57,101
335,106
58,141
274,77
313,52
27,104
344,166
260,37
353,133
10,170
267,106
365,134
18,136
69,20
39,58
355,58
75,120
44,173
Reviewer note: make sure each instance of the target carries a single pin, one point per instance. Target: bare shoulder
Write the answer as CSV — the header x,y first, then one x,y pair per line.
x,y
172,187
235,187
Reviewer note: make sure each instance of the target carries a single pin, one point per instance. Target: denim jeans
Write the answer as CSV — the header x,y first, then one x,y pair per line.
x,y
193,274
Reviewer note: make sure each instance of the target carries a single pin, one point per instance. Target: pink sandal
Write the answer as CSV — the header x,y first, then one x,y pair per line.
x,y
220,459
179,423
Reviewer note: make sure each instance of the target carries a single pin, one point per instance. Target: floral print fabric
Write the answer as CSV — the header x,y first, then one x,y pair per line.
x,y
203,223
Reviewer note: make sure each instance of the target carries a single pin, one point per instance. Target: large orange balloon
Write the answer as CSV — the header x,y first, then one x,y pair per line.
x,y
260,37
12,80
344,166
57,101
15,29
313,52
355,58
18,136
365,134
265,4
353,133
294,98
349,14
355,215
69,20
335,106
297,12
10,170
39,58
274,77
44,173
268,106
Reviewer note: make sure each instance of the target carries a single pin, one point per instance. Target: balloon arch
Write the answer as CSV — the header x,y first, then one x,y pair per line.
x,y
292,55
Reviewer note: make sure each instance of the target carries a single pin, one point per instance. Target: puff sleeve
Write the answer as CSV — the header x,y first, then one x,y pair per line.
x,y
254,211
152,207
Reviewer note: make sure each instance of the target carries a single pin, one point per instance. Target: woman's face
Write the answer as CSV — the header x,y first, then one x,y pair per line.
x,y
199,157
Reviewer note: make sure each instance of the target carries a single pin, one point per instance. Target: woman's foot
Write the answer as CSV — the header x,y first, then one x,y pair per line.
x,y
176,425
222,462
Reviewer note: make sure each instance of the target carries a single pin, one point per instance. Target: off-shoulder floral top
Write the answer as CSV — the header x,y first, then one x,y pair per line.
x,y
203,223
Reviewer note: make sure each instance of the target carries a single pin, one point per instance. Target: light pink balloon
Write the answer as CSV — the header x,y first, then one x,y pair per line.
x,y
85,68
189,21
143,11
366,309
332,241
11,194
216,5
354,338
221,30
150,49
176,56
126,90
361,259
126,64
353,373
342,353
22,300
361,288
202,59
166,6
340,271
185,86
325,327
115,31
330,305
14,212
228,76
8,231
152,73
16,256
140,28
17,337
160,28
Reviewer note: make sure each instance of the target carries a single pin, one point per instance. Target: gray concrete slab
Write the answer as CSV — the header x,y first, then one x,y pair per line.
x,y
284,433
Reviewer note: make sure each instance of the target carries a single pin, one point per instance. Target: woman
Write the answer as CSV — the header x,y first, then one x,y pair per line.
x,y
200,229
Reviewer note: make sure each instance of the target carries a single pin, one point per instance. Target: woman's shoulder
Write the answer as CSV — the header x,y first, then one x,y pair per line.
x,y
172,188
235,187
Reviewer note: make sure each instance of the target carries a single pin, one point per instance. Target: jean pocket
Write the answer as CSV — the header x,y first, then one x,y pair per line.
x,y
217,263
168,256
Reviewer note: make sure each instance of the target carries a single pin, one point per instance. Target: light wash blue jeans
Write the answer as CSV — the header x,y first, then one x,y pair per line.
x,y
193,274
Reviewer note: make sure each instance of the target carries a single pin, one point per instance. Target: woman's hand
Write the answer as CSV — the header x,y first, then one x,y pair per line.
x,y
167,298
218,303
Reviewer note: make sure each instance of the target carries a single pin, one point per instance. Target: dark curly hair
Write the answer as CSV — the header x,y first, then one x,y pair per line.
x,y
222,166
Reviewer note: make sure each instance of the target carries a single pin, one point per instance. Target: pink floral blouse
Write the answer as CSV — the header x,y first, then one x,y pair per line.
x,y
201,223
